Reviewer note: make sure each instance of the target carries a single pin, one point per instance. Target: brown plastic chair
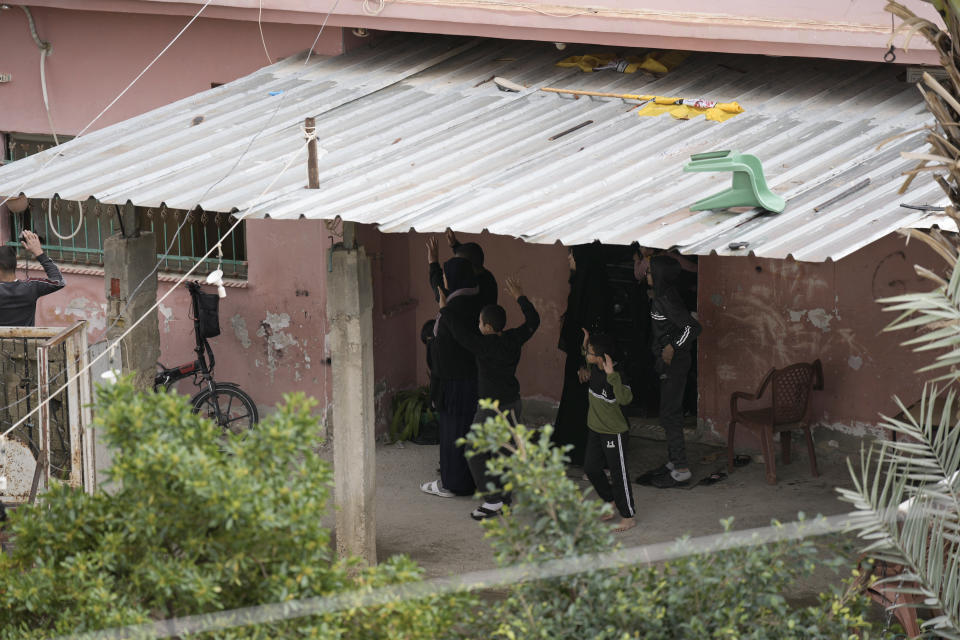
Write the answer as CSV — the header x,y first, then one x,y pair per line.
x,y
789,410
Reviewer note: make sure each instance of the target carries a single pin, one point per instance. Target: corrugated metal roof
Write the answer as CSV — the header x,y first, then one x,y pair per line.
x,y
415,136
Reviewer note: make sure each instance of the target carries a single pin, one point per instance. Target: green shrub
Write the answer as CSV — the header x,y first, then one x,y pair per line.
x,y
740,593
198,524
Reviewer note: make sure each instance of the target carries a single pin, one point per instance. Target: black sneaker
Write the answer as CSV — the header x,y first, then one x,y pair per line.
x,y
647,476
667,481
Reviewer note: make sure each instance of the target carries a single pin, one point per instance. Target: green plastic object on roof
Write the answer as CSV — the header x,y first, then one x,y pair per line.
x,y
749,186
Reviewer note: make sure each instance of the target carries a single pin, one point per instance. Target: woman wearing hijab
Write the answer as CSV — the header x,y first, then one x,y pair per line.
x,y
455,371
588,307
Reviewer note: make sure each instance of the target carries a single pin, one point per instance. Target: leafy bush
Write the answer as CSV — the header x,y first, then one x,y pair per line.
x,y
198,524
740,593
410,409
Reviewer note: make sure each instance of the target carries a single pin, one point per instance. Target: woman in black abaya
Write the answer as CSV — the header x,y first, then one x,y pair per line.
x,y
587,308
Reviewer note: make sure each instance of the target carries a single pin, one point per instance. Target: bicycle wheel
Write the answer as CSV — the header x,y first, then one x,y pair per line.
x,y
238,413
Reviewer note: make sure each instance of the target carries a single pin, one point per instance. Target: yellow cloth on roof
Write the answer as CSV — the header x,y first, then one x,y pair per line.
x,y
723,111
654,62
660,105
671,59
587,62
653,109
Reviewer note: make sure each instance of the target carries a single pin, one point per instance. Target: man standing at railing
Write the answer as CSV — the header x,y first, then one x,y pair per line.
x,y
18,298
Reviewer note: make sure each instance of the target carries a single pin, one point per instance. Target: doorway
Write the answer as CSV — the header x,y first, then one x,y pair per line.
x,y
630,325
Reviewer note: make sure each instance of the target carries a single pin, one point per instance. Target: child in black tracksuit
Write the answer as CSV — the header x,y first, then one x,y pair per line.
x,y
607,429
498,354
674,332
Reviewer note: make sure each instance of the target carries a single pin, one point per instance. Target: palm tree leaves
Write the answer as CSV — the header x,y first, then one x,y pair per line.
x,y
906,491
907,499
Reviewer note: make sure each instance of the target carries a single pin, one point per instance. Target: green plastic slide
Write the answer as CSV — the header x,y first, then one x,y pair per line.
x,y
749,186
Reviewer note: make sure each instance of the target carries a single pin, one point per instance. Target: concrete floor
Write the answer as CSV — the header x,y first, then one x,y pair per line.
x,y
439,534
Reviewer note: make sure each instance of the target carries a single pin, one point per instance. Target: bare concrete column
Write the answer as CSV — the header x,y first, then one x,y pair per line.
x,y
128,258
350,318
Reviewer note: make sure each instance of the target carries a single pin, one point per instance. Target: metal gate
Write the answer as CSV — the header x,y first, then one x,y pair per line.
x,y
37,389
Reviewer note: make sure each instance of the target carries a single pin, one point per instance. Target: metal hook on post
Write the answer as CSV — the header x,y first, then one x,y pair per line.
x,y
890,55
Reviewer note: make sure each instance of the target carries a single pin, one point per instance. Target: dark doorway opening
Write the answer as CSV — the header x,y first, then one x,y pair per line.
x,y
630,325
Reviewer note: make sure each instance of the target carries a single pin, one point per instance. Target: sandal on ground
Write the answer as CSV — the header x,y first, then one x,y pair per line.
x,y
482,513
714,477
434,489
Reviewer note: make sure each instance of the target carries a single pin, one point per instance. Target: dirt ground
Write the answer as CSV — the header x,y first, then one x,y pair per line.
x,y
439,534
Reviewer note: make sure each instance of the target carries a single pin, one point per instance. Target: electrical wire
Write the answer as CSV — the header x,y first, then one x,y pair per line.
x,y
53,227
45,48
262,39
233,168
373,7
218,246
53,156
44,52
475,581
160,300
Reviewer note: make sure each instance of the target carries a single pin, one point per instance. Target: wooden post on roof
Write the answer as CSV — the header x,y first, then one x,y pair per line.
x,y
313,168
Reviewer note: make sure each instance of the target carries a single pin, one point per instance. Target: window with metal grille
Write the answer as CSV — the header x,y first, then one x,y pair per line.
x,y
200,230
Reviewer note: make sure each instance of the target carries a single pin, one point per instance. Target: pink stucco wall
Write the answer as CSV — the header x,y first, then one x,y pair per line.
x,y
756,314
759,314
753,319
854,30
543,270
97,54
273,332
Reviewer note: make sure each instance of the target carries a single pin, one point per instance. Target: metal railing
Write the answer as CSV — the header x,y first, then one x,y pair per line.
x,y
54,439
201,231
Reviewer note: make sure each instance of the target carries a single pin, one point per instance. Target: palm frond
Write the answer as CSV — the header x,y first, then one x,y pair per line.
x,y
907,499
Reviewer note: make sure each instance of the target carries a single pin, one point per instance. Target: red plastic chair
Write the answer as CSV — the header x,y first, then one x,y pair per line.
x,y
789,410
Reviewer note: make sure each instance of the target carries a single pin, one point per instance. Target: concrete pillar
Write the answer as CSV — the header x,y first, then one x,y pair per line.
x,y
128,258
350,318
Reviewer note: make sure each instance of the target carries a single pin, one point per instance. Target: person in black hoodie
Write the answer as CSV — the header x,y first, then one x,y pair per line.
x,y
472,252
674,332
588,307
455,370
498,354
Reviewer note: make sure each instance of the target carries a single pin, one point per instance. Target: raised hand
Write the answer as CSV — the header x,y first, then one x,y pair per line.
x,y
513,287
607,364
451,237
433,252
31,242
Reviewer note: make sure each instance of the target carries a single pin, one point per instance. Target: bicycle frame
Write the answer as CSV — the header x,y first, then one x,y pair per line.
x,y
205,362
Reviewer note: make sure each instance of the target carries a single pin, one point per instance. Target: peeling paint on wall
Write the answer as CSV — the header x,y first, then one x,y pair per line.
x,y
239,325
167,313
855,362
85,309
727,372
277,340
820,318
855,428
